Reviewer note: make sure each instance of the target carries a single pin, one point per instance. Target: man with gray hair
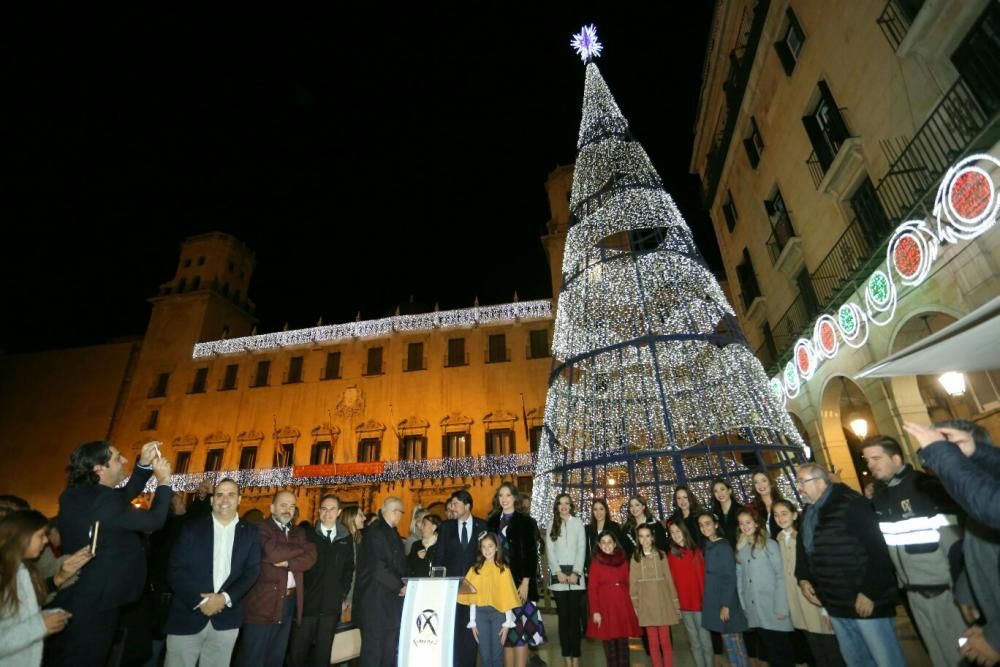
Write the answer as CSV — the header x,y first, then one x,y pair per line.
x,y
843,565
381,588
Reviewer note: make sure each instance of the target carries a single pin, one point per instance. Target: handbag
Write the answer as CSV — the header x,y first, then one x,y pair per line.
x,y
346,644
565,569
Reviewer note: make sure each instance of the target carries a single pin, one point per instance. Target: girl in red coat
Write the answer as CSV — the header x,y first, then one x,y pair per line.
x,y
687,565
612,618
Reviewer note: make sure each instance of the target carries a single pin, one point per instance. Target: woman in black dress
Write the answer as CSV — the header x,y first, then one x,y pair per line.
x,y
600,522
423,551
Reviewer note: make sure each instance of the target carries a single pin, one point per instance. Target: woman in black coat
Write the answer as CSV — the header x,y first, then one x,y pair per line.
x,y
519,539
600,522
638,515
423,552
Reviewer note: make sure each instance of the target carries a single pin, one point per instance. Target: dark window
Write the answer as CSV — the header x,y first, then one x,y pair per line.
x,y
368,449
456,352
499,442
159,388
248,458
196,282
538,343
182,463
200,378
754,144
415,357
321,454
781,224
768,350
809,300
790,44
826,128
331,370
236,295
412,448
284,455
374,365
263,371
229,380
456,445
181,285
201,261
729,211
294,370
213,460
231,267
225,289
748,280
187,263
535,438
976,59
868,210
498,349
152,420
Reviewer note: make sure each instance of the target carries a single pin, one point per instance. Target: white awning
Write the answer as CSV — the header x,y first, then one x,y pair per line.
x,y
970,344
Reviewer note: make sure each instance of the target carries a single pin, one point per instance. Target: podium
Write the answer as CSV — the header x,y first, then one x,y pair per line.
x,y
427,627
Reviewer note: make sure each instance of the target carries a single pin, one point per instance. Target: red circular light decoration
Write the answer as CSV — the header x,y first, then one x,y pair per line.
x,y
906,256
970,194
827,337
803,360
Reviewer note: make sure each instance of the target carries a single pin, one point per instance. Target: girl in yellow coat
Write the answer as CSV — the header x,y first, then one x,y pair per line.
x,y
491,606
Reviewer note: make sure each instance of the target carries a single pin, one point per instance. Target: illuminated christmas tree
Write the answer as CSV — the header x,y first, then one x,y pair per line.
x,y
653,383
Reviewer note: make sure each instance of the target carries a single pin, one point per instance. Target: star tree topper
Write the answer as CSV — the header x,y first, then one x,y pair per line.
x,y
585,43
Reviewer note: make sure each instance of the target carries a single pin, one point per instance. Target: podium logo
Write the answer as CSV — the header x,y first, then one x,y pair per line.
x,y
426,620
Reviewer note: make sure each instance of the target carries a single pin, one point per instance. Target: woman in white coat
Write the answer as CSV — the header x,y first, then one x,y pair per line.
x,y
565,546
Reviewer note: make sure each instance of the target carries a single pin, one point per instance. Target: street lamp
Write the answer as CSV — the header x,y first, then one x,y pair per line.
x,y
953,383
859,425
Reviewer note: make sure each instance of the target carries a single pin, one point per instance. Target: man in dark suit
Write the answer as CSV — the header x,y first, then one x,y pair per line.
x,y
117,574
276,599
327,583
380,587
213,564
458,544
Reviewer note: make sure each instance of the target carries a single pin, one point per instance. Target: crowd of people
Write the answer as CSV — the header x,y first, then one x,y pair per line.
x,y
195,583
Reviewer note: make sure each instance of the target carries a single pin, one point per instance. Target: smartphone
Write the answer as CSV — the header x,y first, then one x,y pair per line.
x,y
93,537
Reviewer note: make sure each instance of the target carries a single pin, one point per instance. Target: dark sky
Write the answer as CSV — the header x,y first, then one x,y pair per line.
x,y
366,151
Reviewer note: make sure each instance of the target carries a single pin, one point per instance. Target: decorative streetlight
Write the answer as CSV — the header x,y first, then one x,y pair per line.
x,y
953,383
859,425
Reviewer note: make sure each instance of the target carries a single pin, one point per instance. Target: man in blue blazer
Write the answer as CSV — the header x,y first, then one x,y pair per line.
x,y
458,544
213,564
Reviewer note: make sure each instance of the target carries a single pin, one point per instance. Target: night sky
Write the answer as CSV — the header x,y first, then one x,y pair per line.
x,y
366,152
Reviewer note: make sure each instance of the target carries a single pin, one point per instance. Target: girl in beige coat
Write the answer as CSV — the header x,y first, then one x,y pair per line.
x,y
654,596
806,616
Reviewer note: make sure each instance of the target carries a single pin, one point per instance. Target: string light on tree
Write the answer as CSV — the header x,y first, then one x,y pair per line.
x,y
653,383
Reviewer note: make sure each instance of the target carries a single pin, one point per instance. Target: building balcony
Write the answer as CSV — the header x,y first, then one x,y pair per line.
x,y
896,18
741,60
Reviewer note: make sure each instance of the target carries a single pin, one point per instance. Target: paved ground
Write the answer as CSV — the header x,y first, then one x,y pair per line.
x,y
593,655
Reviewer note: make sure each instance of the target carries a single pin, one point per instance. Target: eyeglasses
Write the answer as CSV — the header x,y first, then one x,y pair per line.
x,y
801,482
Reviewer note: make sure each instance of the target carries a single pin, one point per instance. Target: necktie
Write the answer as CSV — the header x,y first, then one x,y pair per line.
x,y
465,534
329,535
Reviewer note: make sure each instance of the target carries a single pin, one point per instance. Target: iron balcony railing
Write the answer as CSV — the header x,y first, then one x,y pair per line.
x,y
781,233
896,18
741,62
907,189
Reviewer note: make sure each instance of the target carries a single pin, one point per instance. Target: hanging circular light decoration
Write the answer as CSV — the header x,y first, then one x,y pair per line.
x,y
966,200
880,298
777,390
853,324
805,358
792,384
825,343
911,251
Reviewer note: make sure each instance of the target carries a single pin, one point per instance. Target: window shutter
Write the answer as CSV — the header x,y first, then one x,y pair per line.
x,y
838,127
785,56
752,153
818,142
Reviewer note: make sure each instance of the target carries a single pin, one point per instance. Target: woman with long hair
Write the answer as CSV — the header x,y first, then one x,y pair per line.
x,y
422,552
565,543
721,610
600,522
687,566
611,617
654,597
765,494
725,507
760,580
639,514
23,625
354,521
491,607
687,507
807,618
519,543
